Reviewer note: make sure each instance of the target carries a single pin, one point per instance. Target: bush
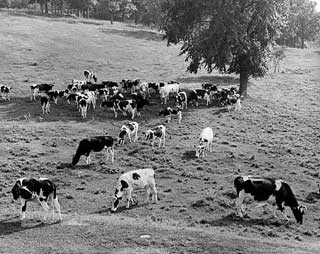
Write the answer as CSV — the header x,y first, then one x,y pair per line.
x,y
4,4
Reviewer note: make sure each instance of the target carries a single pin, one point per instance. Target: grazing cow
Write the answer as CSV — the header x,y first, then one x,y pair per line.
x,y
131,130
168,89
263,189
182,100
45,104
40,88
169,112
90,75
205,142
158,132
95,144
198,94
5,92
36,190
134,179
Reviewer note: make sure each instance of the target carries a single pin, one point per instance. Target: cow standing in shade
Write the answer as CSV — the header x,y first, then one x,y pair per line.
x,y
263,189
134,179
36,190
130,130
94,144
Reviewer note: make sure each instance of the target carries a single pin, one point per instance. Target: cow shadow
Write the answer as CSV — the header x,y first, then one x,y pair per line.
x,y
189,155
13,225
120,209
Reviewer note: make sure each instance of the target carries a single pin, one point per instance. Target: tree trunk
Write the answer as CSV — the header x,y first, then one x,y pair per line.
x,y
46,6
244,75
111,18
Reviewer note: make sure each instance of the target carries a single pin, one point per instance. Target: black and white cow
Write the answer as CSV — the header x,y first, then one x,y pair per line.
x,y
198,94
182,100
45,104
40,88
158,132
94,144
156,86
205,142
5,92
83,107
130,130
131,85
263,189
134,179
90,75
169,112
36,190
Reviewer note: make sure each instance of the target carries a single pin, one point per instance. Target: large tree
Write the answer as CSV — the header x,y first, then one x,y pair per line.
x,y
229,35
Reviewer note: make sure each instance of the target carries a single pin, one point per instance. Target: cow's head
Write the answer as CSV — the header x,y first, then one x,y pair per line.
x,y
298,213
16,190
122,134
200,150
121,188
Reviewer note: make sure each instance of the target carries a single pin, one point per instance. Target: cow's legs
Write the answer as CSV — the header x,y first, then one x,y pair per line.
x,y
239,203
23,209
154,192
57,206
129,197
147,189
88,159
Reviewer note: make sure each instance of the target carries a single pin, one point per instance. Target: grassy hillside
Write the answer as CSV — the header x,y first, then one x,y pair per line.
x,y
276,134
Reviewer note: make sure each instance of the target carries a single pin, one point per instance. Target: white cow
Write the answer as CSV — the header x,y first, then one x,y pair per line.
x,y
134,179
205,142
168,89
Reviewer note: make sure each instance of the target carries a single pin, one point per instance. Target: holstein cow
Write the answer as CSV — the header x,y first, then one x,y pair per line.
x,y
83,107
199,94
134,179
182,100
131,85
158,132
36,190
90,75
169,112
41,88
5,90
130,130
45,104
263,189
205,142
168,89
95,144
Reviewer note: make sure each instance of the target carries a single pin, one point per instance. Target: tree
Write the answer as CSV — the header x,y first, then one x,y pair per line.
x,y
229,35
114,6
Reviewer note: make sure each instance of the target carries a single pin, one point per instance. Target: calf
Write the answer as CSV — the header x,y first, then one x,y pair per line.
x,y
5,92
158,132
40,88
90,75
169,112
199,94
95,144
134,179
263,189
131,130
205,142
36,190
45,104
182,100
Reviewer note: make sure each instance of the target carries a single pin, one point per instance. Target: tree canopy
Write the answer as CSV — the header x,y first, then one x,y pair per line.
x,y
229,35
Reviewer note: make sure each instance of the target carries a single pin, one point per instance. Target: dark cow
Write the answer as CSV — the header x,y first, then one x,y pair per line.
x,y
45,104
109,84
40,88
94,144
37,190
197,95
5,92
262,189
90,75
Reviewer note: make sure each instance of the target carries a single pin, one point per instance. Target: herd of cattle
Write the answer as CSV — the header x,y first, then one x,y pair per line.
x,y
130,98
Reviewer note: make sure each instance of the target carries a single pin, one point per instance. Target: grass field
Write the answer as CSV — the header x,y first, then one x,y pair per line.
x,y
276,134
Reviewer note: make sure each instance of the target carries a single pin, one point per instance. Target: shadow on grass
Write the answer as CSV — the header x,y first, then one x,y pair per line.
x,y
120,209
218,80
189,155
138,34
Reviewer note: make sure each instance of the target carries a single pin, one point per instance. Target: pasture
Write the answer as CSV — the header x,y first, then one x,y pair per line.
x,y
276,134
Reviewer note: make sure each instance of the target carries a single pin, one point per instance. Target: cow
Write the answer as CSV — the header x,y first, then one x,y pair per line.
x,y
36,190
45,104
208,86
54,94
199,94
182,100
125,106
262,189
5,90
109,84
205,142
131,130
90,75
134,179
156,86
168,89
169,112
83,107
141,102
94,144
158,132
39,88
131,85
144,90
